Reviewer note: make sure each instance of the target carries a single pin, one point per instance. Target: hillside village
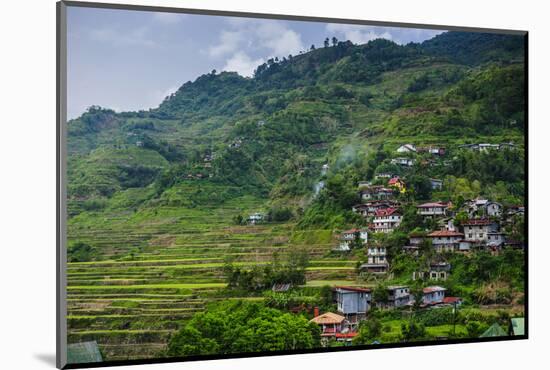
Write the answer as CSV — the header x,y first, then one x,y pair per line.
x,y
481,228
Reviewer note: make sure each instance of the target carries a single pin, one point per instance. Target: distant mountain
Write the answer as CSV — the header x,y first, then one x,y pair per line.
x,y
268,132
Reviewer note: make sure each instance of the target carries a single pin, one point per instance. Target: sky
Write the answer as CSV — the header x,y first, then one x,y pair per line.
x,y
129,60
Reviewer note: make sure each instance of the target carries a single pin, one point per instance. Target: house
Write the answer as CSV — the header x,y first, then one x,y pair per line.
x,y
352,302
436,271
493,209
348,237
413,250
406,148
329,323
439,270
403,161
383,175
375,193
495,239
452,301
369,209
283,287
324,169
376,260
397,183
416,238
515,244
364,184
433,295
436,184
386,220
515,210
477,229
432,209
398,296
445,240
255,218
465,245
236,143
482,147
434,150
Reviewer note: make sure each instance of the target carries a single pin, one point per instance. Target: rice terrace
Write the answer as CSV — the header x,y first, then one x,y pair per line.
x,y
351,193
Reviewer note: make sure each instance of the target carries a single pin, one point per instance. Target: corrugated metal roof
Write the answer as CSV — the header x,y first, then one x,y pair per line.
x,y
85,352
518,325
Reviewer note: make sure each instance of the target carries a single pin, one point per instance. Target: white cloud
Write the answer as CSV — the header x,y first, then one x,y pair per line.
x,y
358,34
279,39
249,42
133,37
229,43
168,18
242,64
159,95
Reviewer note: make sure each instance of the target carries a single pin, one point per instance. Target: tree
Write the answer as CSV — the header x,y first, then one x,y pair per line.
x,y
326,42
357,242
238,219
412,331
334,41
240,327
380,294
369,330
312,47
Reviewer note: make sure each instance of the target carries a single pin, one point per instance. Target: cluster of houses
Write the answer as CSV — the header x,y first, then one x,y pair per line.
x,y
481,230
353,303
481,147
432,149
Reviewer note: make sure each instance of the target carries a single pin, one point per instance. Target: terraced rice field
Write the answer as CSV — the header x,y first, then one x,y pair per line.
x,y
160,267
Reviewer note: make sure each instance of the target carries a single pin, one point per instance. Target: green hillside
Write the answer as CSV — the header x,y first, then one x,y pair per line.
x,y
158,199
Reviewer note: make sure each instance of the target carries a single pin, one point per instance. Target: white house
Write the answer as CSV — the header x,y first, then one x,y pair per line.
x,y
386,220
255,218
445,240
347,237
432,209
402,161
376,260
406,148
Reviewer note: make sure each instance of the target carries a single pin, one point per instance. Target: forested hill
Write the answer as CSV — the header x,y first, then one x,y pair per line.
x,y
270,134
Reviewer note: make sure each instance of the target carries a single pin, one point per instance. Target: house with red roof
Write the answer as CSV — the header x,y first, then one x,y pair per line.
x,y
446,240
433,209
386,220
397,183
368,209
